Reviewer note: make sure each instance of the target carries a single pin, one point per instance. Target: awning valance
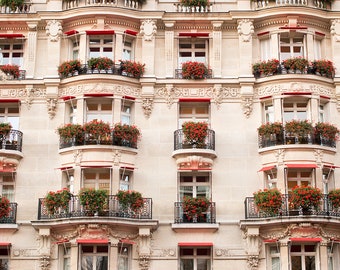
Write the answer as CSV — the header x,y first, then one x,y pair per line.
x,y
98,95
66,98
6,35
5,244
194,99
301,165
65,168
195,244
331,166
92,241
96,166
100,32
127,241
71,32
9,100
267,168
305,239
128,97
131,32
189,34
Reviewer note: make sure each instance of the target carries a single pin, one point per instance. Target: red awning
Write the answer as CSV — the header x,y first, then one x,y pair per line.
x,y
266,168
63,241
92,241
96,166
307,239
293,27
9,100
11,35
194,34
262,33
127,168
266,97
7,169
64,168
100,32
301,166
297,93
270,241
65,98
99,95
194,100
331,166
71,32
130,32
5,244
128,97
127,241
195,244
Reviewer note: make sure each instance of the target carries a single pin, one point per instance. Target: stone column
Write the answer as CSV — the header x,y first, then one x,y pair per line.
x,y
117,103
217,48
119,48
83,54
169,49
74,256
245,30
277,102
284,255
32,50
148,31
335,41
144,248
323,256
113,255
310,47
54,32
274,45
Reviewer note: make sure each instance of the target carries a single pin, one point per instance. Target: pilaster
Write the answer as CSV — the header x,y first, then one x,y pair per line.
x,y
217,48
169,49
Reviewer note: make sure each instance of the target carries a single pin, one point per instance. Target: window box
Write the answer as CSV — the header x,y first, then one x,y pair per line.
x,y
132,69
11,70
100,64
69,68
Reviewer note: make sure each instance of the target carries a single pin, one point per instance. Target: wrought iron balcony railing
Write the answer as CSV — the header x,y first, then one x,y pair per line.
x,y
325,209
12,141
286,139
12,217
206,217
88,139
180,142
112,208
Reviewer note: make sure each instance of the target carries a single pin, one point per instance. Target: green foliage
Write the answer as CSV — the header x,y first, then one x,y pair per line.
x,y
195,207
268,201
93,200
130,199
55,200
305,197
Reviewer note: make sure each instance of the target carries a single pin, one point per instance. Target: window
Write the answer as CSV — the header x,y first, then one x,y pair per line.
x,y
193,49
127,48
299,177
101,46
65,251
4,257
330,257
100,109
71,111
124,256
97,178
9,113
271,177
303,256
194,185
11,52
268,112
273,260
197,112
292,44
75,49
125,179
94,257
265,48
295,110
7,183
126,110
195,258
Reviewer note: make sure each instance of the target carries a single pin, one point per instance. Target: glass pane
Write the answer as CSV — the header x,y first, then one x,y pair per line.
x,y
310,248
310,262
125,119
275,264
106,107
202,264
102,263
87,263
295,248
203,252
187,251
187,264
92,107
185,191
291,184
4,264
14,120
66,264
203,192
296,263
123,263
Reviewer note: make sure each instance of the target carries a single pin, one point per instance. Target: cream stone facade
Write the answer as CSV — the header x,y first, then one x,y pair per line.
x,y
233,163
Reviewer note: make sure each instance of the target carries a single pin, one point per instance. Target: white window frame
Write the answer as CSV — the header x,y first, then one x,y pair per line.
x,y
11,50
292,45
97,182
10,182
10,117
195,257
194,184
265,47
94,254
273,253
296,109
102,45
124,257
99,114
302,254
193,50
299,178
128,47
5,259
126,116
193,115
71,111
125,179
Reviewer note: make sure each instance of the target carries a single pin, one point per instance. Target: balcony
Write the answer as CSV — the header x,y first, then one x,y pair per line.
x,y
180,141
12,141
283,3
22,76
325,209
194,9
25,8
112,210
208,216
108,3
178,75
12,217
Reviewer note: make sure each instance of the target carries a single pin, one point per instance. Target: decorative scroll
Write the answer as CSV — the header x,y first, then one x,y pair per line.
x,y
52,107
54,30
148,29
245,29
147,105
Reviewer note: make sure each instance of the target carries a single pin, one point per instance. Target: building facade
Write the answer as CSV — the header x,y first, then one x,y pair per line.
x,y
77,73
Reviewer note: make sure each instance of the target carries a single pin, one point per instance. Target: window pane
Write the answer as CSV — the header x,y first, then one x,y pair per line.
x,y
202,264
203,252
310,262
275,263
102,263
296,263
187,252
187,264
87,263
4,264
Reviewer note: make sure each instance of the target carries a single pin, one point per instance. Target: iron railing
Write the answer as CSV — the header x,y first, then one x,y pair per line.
x,y
325,209
88,139
12,217
12,141
180,141
287,138
112,208
207,217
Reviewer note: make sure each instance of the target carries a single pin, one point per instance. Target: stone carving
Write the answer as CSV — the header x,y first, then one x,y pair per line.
x,y
45,262
194,163
147,105
230,252
52,107
116,156
54,30
245,29
335,29
29,97
247,105
280,156
162,253
253,262
144,262
167,92
148,29
318,156
77,157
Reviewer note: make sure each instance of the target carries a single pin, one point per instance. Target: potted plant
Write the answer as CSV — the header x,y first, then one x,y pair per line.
x,y
57,200
298,130
195,133
296,64
194,70
69,68
5,207
324,68
10,70
132,68
100,63
5,129
12,4
93,201
126,135
326,133
194,3
334,198
271,133
97,130
195,208
71,133
268,201
129,199
266,68
305,198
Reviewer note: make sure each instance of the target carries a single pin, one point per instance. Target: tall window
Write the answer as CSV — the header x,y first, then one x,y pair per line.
x,y
97,178
303,256
299,177
194,185
101,46
292,44
127,48
265,48
100,109
273,260
193,49
198,258
75,49
94,257
11,52
65,251
124,256
125,179
126,110
4,257
268,112
71,111
7,183
9,112
197,112
271,177
295,110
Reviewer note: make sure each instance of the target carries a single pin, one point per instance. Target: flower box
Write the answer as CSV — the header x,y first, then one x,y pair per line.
x,y
266,68
268,201
69,68
194,3
130,200
10,70
296,64
55,201
305,197
194,70
324,68
132,68
126,135
100,63
4,207
96,131
93,201
195,133
334,198
5,129
195,208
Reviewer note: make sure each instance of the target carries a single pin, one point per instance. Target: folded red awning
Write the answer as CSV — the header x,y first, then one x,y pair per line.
x,y
96,166
98,95
270,240
66,98
130,32
71,32
9,100
128,97
5,35
301,166
5,244
195,244
331,166
194,34
65,168
267,168
92,241
307,239
194,100
100,32
297,93
127,168
127,241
